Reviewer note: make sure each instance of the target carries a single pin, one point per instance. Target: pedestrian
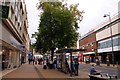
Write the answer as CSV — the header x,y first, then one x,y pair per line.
x,y
30,57
51,64
44,64
33,60
72,68
39,60
48,64
67,66
76,65
59,64
55,63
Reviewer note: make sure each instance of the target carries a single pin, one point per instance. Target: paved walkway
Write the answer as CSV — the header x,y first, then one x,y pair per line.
x,y
25,71
35,72
102,65
54,73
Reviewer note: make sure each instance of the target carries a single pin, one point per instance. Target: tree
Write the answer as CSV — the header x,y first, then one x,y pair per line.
x,y
58,26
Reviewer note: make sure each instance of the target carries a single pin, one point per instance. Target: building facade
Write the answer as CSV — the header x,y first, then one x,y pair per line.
x,y
108,38
14,37
88,42
103,42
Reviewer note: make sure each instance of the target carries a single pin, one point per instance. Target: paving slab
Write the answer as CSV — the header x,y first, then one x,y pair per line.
x,y
36,72
25,71
54,73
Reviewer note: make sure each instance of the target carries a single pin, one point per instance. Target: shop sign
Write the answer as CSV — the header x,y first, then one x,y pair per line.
x,y
4,11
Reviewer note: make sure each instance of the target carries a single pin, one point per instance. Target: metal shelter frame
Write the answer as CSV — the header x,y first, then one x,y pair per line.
x,y
69,51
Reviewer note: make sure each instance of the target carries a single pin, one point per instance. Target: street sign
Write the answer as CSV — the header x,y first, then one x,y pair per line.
x,y
4,11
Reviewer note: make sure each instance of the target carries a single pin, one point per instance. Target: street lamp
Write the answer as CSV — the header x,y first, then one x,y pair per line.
x,y
108,15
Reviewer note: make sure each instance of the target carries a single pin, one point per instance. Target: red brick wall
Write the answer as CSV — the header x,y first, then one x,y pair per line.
x,y
87,40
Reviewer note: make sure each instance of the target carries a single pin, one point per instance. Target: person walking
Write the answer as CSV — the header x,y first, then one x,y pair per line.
x,y
30,57
76,65
72,69
67,66
55,63
33,60
51,64
44,64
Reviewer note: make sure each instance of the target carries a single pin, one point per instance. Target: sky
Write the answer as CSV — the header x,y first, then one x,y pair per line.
x,y
93,16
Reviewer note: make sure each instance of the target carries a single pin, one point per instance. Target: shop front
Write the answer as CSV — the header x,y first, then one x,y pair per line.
x,y
80,57
5,57
10,56
89,57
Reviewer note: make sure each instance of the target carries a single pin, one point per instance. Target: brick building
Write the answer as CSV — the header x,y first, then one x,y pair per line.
x,y
88,42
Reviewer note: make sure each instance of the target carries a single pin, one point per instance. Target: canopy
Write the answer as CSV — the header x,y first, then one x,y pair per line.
x,y
69,50
88,53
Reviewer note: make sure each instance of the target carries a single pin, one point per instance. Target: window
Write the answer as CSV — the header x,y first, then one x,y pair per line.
x,y
16,11
13,4
98,45
105,44
20,28
18,18
116,42
109,43
7,3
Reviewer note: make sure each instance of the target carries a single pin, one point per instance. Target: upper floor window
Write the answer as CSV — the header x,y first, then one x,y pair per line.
x,y
13,4
107,44
16,11
116,42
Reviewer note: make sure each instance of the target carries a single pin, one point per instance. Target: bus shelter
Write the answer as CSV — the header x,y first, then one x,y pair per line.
x,y
62,57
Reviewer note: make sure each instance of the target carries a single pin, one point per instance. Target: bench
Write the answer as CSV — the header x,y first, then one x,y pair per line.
x,y
102,76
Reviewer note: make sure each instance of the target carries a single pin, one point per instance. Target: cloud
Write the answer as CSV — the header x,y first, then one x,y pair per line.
x,y
94,11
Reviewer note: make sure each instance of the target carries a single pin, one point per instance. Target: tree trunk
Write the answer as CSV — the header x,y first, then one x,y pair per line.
x,y
52,53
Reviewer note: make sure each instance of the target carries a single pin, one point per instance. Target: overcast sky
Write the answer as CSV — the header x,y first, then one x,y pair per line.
x,y
93,16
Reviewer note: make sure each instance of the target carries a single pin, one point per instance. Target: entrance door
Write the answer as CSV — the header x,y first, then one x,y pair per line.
x,y
5,58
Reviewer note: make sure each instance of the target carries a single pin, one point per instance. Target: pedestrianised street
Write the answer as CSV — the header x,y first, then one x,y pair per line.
x,y
60,39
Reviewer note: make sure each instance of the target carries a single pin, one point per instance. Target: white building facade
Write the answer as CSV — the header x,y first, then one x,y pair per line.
x,y
108,39
14,37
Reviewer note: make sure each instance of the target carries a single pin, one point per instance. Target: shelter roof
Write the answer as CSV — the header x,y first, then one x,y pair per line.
x,y
69,50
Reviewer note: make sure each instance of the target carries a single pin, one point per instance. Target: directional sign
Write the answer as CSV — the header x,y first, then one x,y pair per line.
x,y
4,11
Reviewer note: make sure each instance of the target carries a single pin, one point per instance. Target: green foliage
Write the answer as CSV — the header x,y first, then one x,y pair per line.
x,y
58,25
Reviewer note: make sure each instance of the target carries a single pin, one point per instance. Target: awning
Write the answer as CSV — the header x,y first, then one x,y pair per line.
x,y
88,53
69,50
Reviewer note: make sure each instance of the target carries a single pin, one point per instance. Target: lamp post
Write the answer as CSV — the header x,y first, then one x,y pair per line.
x,y
105,15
